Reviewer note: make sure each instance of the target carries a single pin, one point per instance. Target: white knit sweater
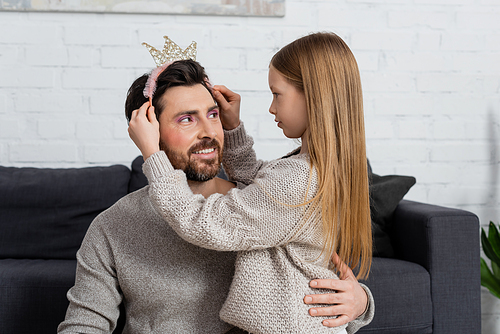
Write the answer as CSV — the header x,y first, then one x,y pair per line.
x,y
279,253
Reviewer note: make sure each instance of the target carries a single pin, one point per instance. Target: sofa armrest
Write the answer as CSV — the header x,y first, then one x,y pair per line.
x,y
445,241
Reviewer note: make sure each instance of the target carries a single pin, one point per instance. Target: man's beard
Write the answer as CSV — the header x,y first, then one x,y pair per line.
x,y
196,170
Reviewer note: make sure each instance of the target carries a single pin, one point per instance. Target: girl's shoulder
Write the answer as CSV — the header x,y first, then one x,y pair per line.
x,y
292,167
294,159
288,180
292,153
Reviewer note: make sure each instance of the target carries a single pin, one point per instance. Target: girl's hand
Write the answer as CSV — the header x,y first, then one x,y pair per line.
x,y
229,104
348,303
144,130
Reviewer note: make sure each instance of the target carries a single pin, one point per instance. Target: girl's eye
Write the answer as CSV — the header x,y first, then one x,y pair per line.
x,y
213,114
185,119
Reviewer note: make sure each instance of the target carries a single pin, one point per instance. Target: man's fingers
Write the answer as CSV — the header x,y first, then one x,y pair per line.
x,y
337,262
331,284
323,298
344,272
330,311
342,320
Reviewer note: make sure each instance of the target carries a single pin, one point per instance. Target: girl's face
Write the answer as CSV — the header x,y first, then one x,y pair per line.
x,y
288,106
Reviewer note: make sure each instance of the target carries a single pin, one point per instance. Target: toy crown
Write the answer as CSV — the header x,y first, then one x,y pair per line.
x,y
171,52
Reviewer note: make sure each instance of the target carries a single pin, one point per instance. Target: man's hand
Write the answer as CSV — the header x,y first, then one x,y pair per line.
x,y
349,301
229,104
144,130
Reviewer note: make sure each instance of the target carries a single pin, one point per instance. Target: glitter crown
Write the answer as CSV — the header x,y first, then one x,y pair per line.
x,y
171,52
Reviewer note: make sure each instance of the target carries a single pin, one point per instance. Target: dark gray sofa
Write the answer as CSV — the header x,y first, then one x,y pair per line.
x,y
431,286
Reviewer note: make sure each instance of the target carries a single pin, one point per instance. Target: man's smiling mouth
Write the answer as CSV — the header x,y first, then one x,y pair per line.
x,y
205,151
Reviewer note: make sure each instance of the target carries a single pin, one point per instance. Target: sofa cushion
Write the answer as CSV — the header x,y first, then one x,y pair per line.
x,y
33,294
137,177
402,294
46,212
385,194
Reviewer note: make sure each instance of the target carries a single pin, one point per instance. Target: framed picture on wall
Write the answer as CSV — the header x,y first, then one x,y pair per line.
x,y
188,7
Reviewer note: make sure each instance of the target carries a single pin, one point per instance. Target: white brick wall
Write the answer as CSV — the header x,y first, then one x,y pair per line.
x,y
430,71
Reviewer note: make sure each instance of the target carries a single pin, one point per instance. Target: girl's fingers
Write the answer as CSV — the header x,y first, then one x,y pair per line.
x,y
222,89
143,109
151,114
141,112
134,114
228,94
220,99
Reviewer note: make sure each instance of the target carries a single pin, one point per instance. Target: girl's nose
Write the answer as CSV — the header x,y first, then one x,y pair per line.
x,y
272,110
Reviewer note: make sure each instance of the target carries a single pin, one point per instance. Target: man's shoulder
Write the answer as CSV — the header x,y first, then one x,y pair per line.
x,y
132,215
126,210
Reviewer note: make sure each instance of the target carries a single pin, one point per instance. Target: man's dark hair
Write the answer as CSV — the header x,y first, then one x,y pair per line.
x,y
179,73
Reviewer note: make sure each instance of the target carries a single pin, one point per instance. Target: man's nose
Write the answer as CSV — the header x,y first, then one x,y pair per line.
x,y
207,129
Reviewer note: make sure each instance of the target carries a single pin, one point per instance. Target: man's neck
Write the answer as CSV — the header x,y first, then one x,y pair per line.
x,y
207,188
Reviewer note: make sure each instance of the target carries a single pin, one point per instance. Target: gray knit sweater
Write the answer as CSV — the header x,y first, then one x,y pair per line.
x,y
279,252
167,285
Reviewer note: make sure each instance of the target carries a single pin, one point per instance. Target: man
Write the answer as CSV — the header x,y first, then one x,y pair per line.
x,y
131,256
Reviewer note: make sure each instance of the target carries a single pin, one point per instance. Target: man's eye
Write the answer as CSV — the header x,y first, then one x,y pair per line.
x,y
185,119
213,114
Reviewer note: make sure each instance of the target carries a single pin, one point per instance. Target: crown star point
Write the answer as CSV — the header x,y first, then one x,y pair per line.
x,y
171,52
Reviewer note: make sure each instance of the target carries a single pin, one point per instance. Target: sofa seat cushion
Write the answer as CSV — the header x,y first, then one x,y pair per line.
x,y
45,212
33,294
402,289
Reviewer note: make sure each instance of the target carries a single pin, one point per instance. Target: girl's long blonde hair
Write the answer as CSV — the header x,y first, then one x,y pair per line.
x,y
324,68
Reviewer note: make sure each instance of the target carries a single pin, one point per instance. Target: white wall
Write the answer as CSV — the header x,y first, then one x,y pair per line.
x,y
430,71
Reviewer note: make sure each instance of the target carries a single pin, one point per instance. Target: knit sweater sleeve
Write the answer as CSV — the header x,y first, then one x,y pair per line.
x,y
239,159
95,298
366,317
262,215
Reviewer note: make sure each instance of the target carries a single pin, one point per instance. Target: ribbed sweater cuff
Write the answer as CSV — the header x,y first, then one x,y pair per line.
x,y
156,166
369,311
235,138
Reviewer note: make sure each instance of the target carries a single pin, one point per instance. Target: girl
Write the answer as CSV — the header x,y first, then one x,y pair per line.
x,y
293,213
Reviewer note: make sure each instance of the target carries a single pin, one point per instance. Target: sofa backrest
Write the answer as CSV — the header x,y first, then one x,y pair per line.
x,y
137,177
45,213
